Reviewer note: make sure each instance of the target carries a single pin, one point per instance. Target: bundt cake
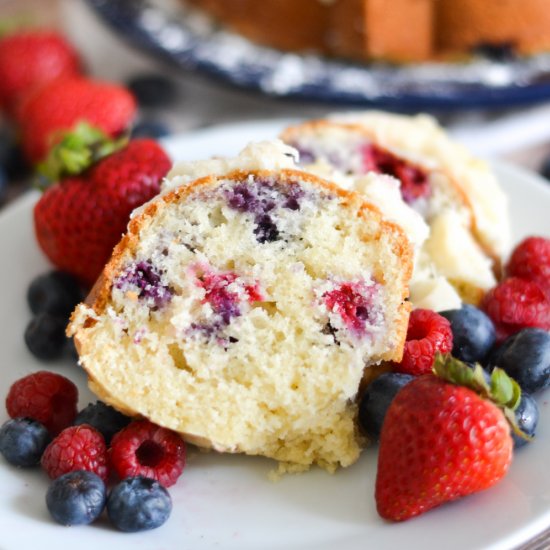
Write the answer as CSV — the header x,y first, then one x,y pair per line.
x,y
456,194
241,309
400,30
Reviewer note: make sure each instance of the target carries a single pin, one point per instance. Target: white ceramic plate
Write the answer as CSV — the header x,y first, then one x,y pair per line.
x,y
225,501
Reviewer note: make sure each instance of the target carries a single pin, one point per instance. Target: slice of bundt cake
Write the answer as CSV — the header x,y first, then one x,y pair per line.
x,y
241,309
456,194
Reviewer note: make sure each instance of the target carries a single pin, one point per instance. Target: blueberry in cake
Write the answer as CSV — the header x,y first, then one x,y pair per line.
x,y
241,309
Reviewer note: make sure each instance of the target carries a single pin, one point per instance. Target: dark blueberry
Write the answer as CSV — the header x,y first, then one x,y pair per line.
x,y
505,51
55,292
473,333
545,168
525,356
153,90
377,399
76,498
150,129
266,231
12,159
23,440
45,336
103,418
3,186
242,197
138,504
147,279
527,417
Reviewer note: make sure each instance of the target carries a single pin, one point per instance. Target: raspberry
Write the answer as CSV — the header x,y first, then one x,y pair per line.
x,y
145,449
530,260
76,448
515,304
414,180
428,333
46,397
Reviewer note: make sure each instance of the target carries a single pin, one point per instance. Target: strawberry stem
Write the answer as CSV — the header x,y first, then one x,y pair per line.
x,y
502,390
76,151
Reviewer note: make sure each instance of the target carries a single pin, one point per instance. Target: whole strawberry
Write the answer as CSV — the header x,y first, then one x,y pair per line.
x,y
32,58
81,218
441,441
59,106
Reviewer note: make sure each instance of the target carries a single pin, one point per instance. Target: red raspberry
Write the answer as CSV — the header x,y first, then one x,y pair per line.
x,y
515,304
145,449
530,260
76,448
428,333
46,397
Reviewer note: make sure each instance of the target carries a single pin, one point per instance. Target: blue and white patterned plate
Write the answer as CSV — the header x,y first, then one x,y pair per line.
x,y
190,41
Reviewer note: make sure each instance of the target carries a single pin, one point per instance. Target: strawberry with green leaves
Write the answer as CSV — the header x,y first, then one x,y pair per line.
x,y
59,106
80,218
31,58
445,436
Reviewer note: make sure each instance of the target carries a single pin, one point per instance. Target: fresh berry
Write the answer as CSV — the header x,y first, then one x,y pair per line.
x,y
428,333
545,168
150,129
145,449
54,292
138,504
377,399
103,418
442,441
414,179
525,356
76,498
45,336
527,418
57,107
531,260
473,333
23,440
46,397
515,304
30,59
11,156
76,448
3,186
153,90
79,220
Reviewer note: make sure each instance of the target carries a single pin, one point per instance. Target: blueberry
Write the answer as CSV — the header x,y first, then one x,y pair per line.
x,y
266,231
23,440
473,333
54,292
525,356
545,168
377,399
496,51
3,185
103,418
76,498
138,504
527,417
45,336
153,90
150,129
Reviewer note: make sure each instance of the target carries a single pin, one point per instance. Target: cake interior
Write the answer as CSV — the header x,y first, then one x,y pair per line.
x,y
244,313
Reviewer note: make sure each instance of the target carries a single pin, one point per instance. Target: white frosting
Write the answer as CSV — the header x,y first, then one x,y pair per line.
x,y
263,155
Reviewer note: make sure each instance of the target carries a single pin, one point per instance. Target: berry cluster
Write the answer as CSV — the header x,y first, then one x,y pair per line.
x,y
81,452
500,356
59,123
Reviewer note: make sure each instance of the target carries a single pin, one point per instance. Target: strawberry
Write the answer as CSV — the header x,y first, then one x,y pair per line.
x,y
32,58
60,105
441,441
79,220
